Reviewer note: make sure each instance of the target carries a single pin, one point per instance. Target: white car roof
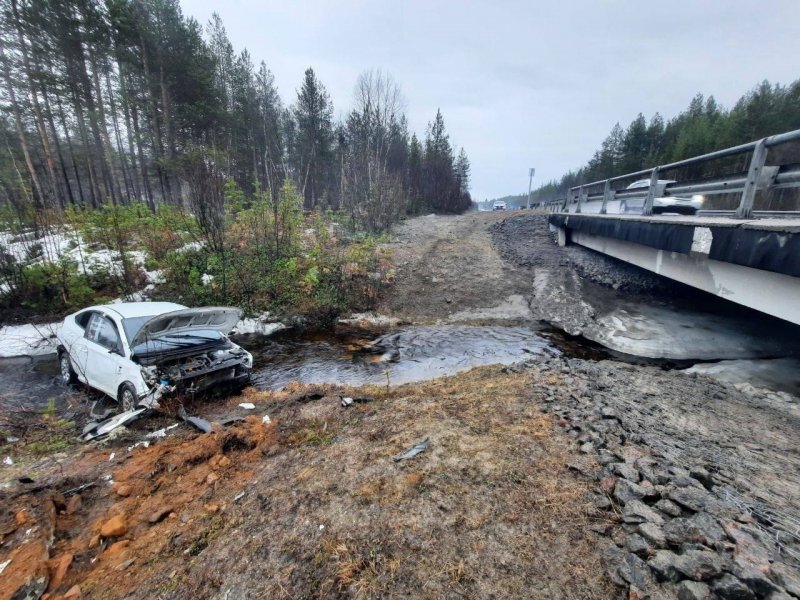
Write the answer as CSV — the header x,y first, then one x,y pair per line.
x,y
646,183
130,310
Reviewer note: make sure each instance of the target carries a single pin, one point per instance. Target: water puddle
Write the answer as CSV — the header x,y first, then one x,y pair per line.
x,y
405,356
31,382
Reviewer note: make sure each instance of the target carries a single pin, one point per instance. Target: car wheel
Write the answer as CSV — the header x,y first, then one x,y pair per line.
x,y
127,398
67,372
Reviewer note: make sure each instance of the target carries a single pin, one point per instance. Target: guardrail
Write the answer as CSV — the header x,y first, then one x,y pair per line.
x,y
759,177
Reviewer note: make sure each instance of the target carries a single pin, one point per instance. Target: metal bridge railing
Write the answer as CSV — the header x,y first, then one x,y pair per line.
x,y
759,177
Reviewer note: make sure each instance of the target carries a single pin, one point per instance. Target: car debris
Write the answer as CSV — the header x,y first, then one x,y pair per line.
x,y
310,396
347,401
413,451
98,429
160,433
197,422
100,413
78,489
247,405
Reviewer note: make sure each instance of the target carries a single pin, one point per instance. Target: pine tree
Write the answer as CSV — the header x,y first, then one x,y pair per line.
x,y
311,152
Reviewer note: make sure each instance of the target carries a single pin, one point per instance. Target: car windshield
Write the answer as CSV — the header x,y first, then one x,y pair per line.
x,y
132,325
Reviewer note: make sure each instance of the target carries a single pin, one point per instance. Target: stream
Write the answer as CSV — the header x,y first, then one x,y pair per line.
x,y
409,354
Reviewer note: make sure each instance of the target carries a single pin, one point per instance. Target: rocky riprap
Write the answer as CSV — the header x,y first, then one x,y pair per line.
x,y
690,511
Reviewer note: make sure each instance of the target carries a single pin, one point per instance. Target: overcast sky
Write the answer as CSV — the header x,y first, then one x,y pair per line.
x,y
522,83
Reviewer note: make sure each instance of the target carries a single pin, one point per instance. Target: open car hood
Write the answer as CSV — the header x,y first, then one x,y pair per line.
x,y
221,318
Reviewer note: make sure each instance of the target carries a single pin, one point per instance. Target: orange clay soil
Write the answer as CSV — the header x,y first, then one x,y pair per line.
x,y
176,485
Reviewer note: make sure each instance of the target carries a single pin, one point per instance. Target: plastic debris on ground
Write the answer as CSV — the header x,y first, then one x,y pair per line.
x,y
266,420
247,405
7,461
3,565
78,489
412,452
160,433
346,402
197,422
95,430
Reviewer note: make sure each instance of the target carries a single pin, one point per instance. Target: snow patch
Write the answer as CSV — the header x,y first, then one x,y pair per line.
x,y
28,340
513,307
780,374
370,319
261,325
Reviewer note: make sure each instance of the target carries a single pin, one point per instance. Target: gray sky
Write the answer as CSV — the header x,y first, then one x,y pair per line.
x,y
522,83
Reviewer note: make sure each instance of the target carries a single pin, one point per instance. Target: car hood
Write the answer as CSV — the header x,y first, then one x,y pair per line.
x,y
220,318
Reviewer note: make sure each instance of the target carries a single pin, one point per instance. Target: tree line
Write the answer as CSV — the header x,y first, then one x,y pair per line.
x,y
125,101
703,127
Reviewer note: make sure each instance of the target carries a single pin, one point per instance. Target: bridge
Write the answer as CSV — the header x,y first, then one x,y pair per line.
x,y
748,253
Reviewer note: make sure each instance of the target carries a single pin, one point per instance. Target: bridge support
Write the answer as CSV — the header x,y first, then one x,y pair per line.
x,y
773,293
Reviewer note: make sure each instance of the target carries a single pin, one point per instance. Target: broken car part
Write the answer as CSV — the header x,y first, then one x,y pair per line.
x,y
92,431
197,422
412,452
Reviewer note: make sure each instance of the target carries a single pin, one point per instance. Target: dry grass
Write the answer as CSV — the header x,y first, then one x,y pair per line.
x,y
490,510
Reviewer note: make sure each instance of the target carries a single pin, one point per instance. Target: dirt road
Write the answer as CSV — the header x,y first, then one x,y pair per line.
x,y
447,265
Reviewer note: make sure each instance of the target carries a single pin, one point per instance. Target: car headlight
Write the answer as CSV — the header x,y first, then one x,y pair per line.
x,y
149,374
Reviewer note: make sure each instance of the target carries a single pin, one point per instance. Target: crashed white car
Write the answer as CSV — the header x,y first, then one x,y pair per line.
x,y
138,351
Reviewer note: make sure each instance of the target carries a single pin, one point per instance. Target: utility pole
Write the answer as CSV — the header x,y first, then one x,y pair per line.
x,y
531,171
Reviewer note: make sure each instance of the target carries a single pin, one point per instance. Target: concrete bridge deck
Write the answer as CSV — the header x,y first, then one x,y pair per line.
x,y
753,262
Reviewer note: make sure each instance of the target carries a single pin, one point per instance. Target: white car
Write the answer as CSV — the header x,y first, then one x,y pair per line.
x,y
661,205
138,351
499,205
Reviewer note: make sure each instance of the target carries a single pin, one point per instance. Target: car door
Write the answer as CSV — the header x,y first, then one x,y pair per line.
x,y
77,344
104,363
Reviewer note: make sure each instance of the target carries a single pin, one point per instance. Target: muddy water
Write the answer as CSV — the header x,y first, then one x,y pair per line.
x,y
31,381
404,356
411,354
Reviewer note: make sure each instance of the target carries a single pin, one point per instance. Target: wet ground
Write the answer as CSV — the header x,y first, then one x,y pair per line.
x,y
352,357
346,358
409,355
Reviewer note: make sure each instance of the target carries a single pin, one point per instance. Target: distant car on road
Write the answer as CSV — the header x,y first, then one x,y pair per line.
x,y
499,205
661,205
138,351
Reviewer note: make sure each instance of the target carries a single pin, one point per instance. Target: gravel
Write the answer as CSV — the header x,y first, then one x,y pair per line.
x,y
704,486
